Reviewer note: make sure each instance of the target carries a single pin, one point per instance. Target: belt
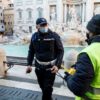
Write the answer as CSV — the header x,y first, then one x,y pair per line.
x,y
46,63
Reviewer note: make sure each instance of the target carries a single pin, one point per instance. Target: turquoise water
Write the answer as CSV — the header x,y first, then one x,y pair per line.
x,y
14,50
22,50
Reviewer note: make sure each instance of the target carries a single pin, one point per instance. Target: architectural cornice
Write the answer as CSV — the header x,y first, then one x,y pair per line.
x,y
72,1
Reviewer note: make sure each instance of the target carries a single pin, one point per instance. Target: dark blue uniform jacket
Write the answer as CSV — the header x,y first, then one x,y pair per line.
x,y
46,47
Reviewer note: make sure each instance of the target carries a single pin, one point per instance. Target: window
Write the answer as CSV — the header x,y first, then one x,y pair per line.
x,y
1,21
40,12
20,28
29,13
68,13
2,27
53,15
9,5
79,12
96,8
20,15
30,29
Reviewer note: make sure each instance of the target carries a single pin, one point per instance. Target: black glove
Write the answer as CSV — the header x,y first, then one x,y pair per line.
x,y
66,75
29,70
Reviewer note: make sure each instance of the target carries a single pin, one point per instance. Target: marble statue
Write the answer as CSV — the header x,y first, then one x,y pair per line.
x,y
3,66
70,58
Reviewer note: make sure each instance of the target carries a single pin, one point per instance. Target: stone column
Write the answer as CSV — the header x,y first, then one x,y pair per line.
x,y
59,11
89,9
65,13
83,13
46,9
35,11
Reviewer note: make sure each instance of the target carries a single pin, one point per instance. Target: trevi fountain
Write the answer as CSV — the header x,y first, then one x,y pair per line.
x,y
73,36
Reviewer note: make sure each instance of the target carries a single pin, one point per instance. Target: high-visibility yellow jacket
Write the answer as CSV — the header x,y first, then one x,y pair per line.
x,y
93,52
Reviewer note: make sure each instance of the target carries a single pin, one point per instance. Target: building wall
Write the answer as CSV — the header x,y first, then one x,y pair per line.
x,y
6,3
97,7
4,13
56,11
9,20
37,8
24,15
85,9
2,28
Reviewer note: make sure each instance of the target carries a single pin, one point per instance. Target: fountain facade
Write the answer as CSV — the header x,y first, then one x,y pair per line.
x,y
72,33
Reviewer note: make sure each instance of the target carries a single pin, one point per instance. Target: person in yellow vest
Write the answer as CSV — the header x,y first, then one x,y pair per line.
x,y
85,82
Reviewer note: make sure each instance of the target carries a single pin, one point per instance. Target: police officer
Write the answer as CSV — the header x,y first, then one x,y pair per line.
x,y
85,83
47,50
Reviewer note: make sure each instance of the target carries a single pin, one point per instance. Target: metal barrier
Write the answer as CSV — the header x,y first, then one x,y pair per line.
x,y
11,61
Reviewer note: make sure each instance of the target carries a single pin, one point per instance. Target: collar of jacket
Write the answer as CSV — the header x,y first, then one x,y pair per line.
x,y
94,39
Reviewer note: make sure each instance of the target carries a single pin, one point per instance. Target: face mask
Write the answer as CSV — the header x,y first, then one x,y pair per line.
x,y
43,30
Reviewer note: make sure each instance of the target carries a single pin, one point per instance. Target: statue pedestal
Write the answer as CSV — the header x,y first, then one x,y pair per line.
x,y
3,66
